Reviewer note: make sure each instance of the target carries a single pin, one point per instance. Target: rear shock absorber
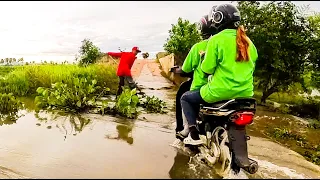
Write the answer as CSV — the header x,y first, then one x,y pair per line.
x,y
207,129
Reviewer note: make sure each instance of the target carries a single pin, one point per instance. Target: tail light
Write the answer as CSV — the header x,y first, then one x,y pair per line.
x,y
243,118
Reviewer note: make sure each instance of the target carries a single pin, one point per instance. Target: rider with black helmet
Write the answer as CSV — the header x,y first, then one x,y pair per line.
x,y
192,64
230,59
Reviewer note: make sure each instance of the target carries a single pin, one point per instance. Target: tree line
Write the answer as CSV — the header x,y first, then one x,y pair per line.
x,y
10,60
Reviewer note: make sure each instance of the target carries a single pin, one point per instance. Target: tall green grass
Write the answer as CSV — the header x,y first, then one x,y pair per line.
x,y
25,80
4,70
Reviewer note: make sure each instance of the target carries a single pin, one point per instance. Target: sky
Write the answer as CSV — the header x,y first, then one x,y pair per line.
x,y
53,30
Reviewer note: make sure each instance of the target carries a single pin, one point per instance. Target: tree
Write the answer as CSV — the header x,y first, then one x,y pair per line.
x,y
88,53
14,60
145,55
10,60
182,36
283,39
20,60
314,57
2,61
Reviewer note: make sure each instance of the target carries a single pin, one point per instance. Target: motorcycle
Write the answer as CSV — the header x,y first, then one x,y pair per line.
x,y
222,127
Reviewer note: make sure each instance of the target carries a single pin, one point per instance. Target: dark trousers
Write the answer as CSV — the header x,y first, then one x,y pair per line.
x,y
190,103
123,80
184,87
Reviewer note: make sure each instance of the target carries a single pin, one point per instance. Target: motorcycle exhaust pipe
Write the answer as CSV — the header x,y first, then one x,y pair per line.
x,y
253,167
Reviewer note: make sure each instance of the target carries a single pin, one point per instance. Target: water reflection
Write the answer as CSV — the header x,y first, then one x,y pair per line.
x,y
67,123
124,133
10,118
180,167
186,168
28,103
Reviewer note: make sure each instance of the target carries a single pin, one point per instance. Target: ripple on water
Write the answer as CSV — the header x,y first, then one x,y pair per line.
x,y
268,170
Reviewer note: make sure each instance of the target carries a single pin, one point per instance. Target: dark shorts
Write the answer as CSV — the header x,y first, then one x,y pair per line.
x,y
126,80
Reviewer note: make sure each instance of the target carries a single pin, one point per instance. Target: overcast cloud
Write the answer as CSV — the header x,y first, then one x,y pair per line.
x,y
53,30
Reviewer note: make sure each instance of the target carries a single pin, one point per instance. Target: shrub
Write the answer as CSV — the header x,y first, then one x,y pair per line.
x,y
308,109
127,102
76,97
182,36
145,55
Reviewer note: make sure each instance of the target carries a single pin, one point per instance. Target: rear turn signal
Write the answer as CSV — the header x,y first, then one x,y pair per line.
x,y
244,118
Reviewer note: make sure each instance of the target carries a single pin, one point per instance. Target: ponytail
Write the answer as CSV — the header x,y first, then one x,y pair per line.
x,y
242,45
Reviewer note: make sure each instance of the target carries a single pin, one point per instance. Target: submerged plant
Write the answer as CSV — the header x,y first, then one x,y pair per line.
x,y
152,104
126,103
76,97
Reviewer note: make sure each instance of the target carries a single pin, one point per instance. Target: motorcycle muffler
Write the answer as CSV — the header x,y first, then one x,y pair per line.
x,y
253,167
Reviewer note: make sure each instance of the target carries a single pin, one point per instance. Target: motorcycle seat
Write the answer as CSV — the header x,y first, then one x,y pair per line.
x,y
230,104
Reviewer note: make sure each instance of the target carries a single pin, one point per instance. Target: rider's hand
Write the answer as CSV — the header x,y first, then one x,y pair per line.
x,y
178,70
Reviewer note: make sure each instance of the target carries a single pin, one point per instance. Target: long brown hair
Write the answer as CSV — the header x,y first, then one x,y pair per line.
x,y
242,44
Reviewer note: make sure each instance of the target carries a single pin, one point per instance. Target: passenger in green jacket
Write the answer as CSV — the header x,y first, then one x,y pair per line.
x,y
230,58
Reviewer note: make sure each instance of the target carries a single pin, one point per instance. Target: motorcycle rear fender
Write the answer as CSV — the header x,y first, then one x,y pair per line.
x,y
238,145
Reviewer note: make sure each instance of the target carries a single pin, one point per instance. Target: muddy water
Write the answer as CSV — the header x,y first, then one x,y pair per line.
x,y
105,148
50,145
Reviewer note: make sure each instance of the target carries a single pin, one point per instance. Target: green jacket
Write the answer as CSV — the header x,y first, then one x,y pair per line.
x,y
193,62
230,79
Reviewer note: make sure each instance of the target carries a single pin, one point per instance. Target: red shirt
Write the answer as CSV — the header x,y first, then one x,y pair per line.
x,y
126,61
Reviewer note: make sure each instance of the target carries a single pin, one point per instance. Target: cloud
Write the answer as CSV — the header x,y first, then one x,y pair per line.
x,y
56,28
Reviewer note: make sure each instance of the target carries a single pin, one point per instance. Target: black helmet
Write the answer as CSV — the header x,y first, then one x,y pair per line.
x,y
224,16
205,28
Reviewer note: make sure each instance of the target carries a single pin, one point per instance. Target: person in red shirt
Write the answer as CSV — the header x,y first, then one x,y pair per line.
x,y
124,68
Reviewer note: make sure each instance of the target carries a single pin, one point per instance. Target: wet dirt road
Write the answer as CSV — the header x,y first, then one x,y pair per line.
x,y
41,146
